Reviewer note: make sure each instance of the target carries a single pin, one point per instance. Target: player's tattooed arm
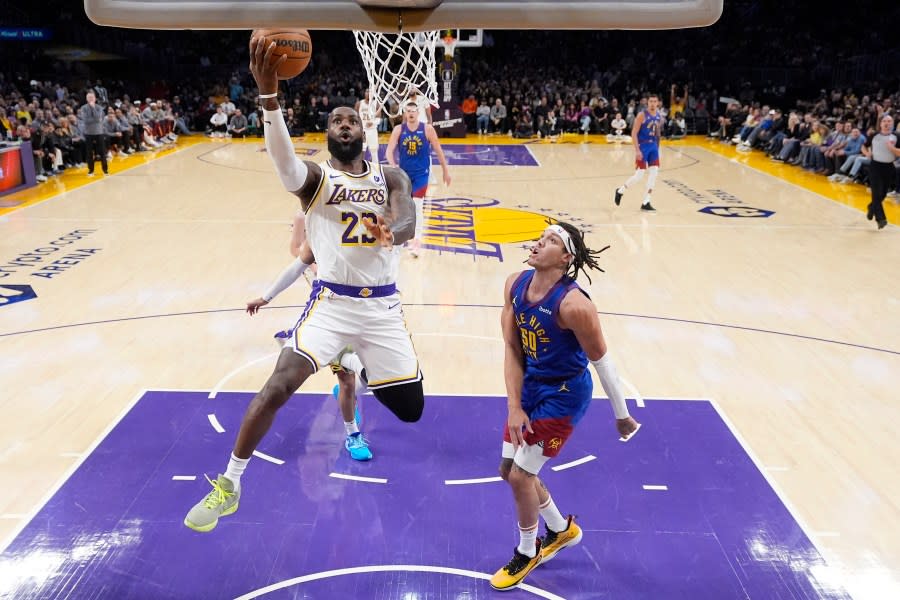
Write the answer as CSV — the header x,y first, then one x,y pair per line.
x,y
402,209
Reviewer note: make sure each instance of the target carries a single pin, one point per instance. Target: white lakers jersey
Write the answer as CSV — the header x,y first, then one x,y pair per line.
x,y
367,112
344,250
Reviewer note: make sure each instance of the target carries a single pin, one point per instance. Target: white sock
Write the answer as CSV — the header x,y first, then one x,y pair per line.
x,y
527,537
621,189
235,469
551,515
351,427
646,200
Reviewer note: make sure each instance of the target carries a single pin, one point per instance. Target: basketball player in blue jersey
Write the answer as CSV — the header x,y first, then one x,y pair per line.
x,y
645,134
415,140
552,332
356,212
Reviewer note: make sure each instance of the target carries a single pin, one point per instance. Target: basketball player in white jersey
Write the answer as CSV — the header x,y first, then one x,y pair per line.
x,y
347,368
356,212
422,103
369,111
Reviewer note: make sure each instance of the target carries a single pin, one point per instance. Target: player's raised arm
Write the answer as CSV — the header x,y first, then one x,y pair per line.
x,y
297,176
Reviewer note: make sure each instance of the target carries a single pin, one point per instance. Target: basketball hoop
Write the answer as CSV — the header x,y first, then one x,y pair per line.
x,y
396,64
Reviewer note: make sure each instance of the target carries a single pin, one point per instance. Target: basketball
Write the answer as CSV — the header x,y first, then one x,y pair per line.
x,y
295,43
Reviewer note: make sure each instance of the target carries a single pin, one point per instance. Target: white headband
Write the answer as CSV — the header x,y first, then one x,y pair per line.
x,y
564,236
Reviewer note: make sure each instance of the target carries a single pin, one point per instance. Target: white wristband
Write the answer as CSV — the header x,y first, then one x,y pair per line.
x,y
272,95
609,379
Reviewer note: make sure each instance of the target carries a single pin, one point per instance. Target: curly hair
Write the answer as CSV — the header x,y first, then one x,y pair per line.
x,y
585,258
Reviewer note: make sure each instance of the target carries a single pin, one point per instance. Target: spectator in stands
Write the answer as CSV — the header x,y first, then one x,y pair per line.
x,y
498,117
218,123
237,127
469,108
483,117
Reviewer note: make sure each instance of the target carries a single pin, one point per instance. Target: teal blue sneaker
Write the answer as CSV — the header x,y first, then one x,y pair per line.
x,y
358,447
335,391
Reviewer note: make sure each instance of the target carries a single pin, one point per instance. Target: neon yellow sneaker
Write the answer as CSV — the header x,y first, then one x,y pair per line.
x,y
516,569
554,541
220,502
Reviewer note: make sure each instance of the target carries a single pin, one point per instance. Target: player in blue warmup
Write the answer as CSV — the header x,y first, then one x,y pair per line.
x,y
551,331
645,132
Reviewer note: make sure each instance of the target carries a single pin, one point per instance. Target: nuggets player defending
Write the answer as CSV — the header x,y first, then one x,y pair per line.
x,y
355,212
415,140
645,134
551,331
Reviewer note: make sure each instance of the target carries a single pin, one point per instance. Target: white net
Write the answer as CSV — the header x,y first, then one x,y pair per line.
x,y
396,65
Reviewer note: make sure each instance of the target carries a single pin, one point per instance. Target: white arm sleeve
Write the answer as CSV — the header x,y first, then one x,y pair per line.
x,y
291,169
609,379
287,277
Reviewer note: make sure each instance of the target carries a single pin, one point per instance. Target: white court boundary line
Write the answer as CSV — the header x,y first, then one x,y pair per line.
x,y
214,421
388,568
469,481
533,156
574,463
267,457
829,559
70,471
222,381
358,478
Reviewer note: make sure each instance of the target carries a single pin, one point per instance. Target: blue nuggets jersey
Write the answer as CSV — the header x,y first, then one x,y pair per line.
x,y
415,152
551,353
649,131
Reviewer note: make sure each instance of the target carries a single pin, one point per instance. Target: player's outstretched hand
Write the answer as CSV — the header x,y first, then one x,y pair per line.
x,y
254,305
379,230
627,427
263,66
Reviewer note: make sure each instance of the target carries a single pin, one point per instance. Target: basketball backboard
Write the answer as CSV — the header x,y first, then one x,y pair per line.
x,y
411,15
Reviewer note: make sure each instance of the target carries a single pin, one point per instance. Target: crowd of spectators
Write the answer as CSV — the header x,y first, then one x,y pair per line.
x,y
725,79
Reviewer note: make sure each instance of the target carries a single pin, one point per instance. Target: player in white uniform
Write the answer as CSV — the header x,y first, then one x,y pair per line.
x,y
356,212
422,103
348,369
369,111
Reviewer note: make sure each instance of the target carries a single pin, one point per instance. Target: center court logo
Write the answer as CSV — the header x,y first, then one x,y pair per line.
x,y
10,294
477,227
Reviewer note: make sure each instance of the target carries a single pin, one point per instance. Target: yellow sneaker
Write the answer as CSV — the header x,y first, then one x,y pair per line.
x,y
220,502
516,569
554,541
